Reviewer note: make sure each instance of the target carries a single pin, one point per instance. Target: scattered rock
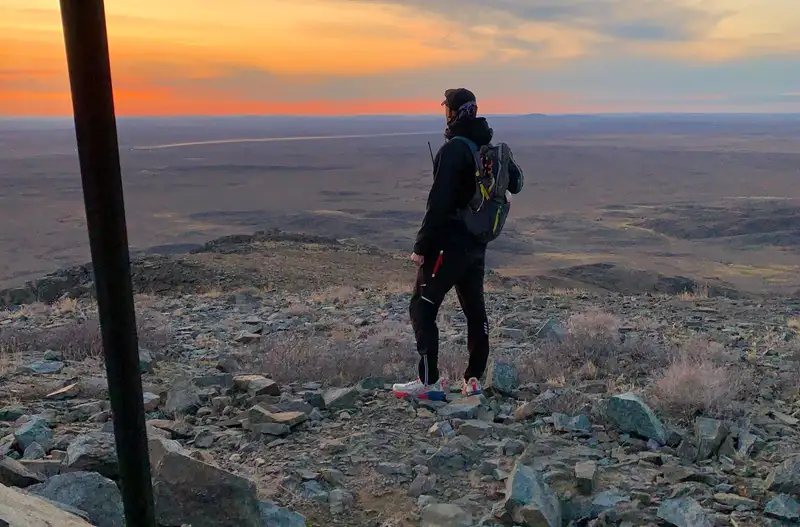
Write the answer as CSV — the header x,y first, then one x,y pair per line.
x,y
182,397
190,491
340,501
475,429
632,415
90,492
45,367
783,507
14,474
341,398
146,361
93,452
501,378
272,515
35,430
26,510
256,385
445,515
585,474
151,401
466,408
529,499
684,512
786,477
709,434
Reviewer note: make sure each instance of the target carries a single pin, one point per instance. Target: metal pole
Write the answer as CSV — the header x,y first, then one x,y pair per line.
x,y
86,43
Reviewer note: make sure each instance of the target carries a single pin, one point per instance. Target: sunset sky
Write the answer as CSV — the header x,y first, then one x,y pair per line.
x,y
204,57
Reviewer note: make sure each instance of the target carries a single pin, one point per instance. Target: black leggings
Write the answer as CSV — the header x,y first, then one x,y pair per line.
x,y
463,270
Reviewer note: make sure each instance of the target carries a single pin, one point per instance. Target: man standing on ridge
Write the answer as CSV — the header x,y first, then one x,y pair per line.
x,y
450,248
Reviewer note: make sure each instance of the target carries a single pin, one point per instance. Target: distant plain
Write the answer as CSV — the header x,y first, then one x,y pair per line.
x,y
704,196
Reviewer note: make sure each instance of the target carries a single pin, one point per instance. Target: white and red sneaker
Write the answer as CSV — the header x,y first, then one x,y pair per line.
x,y
471,387
420,390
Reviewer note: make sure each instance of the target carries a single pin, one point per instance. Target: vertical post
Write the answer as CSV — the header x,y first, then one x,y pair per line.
x,y
86,41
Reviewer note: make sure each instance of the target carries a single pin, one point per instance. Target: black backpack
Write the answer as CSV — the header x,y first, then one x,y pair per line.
x,y
486,213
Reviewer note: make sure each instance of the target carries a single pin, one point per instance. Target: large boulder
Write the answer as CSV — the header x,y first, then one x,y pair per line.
x,y
89,492
18,509
188,491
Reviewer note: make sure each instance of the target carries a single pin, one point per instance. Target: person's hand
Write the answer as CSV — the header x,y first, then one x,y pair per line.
x,y
417,258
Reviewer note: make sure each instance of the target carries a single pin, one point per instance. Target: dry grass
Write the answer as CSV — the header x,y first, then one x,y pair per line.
x,y
341,295
701,293
76,339
592,348
385,350
698,380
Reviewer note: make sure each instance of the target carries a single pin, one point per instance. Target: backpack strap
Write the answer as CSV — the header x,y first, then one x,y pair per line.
x,y
470,142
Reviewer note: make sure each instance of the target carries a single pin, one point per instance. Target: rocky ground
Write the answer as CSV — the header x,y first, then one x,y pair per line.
x,y
271,406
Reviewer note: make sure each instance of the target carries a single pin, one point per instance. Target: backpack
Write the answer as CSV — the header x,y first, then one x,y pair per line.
x,y
486,213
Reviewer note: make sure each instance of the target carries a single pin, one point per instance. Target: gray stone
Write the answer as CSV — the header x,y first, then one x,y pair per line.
x,y
89,492
684,512
151,401
394,469
182,397
466,408
585,474
315,492
53,355
530,500
422,484
15,474
273,515
786,477
11,413
146,361
340,501
224,380
258,414
475,429
35,430
27,510
45,366
204,439
783,507
445,515
748,444
93,452
709,434
579,423
607,500
256,385
737,502
501,377
341,398
189,491
34,451
513,447
632,415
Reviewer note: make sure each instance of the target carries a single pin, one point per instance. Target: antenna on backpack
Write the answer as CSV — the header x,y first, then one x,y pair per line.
x,y
431,151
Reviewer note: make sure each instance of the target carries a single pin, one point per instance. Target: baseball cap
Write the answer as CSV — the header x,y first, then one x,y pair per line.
x,y
455,98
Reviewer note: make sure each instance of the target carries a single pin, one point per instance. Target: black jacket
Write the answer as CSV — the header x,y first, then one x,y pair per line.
x,y
453,187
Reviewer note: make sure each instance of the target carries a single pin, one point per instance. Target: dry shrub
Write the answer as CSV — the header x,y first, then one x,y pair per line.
x,y
293,357
591,348
77,339
697,381
341,295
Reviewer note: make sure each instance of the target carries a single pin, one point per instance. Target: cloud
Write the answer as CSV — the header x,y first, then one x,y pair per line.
x,y
670,20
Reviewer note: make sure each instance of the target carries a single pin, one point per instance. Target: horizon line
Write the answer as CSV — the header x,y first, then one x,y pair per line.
x,y
354,116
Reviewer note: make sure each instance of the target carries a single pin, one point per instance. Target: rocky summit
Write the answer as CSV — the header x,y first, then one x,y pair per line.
x,y
271,405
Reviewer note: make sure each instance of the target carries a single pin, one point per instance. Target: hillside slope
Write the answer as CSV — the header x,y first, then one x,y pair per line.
x,y
268,358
